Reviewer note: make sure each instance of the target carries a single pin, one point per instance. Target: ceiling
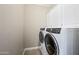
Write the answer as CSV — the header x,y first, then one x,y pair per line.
x,y
48,6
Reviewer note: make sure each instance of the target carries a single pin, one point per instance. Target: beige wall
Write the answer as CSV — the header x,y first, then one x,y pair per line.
x,y
35,17
11,29
19,26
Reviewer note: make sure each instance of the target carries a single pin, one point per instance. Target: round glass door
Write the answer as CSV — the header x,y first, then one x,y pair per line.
x,y
41,36
51,45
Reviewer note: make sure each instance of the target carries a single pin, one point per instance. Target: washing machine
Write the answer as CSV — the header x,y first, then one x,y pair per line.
x,y
53,42
41,41
42,35
60,41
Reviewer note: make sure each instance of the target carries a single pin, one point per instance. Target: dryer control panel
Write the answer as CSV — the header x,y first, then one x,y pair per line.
x,y
54,30
42,28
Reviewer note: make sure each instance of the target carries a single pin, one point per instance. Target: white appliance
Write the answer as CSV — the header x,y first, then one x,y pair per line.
x,y
42,34
57,41
61,41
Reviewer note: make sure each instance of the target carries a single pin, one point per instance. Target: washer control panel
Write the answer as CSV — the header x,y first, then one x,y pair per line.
x,y
42,28
54,30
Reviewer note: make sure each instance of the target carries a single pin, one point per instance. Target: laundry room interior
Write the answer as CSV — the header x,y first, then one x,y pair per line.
x,y
39,29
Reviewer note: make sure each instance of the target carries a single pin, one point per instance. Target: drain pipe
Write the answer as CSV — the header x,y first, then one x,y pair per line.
x,y
31,48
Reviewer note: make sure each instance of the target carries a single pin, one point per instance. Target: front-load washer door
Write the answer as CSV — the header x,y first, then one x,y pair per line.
x,y
51,45
41,37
